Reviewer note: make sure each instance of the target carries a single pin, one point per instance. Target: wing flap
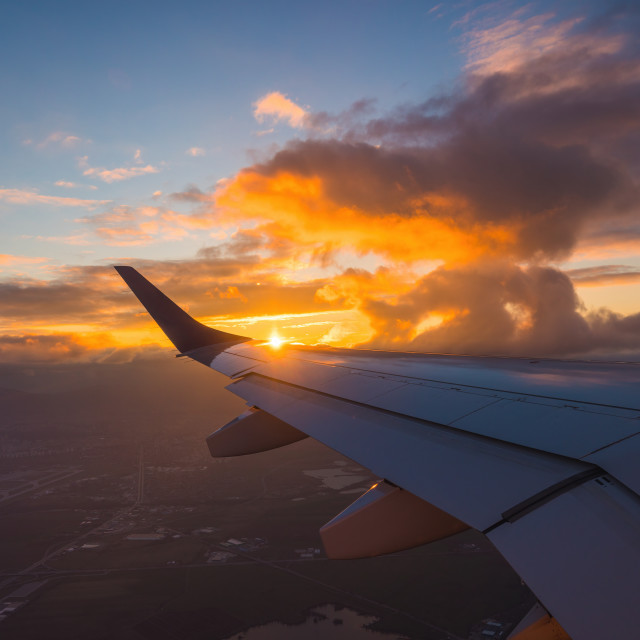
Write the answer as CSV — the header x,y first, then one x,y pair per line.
x,y
580,554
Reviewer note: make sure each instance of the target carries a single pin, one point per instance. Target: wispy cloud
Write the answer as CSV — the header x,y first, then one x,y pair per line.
x,y
604,275
19,196
77,239
61,139
8,260
135,226
277,107
195,152
74,185
119,173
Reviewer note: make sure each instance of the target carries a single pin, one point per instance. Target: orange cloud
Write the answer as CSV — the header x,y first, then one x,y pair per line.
x,y
131,226
299,209
277,106
229,293
10,260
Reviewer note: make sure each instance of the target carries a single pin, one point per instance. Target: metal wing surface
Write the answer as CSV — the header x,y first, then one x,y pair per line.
x,y
539,455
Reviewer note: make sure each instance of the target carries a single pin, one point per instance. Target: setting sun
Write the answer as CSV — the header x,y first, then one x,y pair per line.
x,y
276,341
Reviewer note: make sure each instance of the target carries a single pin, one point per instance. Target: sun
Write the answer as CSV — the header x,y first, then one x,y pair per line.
x,y
275,341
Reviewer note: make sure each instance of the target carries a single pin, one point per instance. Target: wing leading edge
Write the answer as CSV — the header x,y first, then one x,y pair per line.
x,y
538,455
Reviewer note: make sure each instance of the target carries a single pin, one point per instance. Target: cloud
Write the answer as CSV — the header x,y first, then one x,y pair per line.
x,y
191,194
517,163
604,275
277,107
19,196
118,174
132,226
532,157
195,152
7,260
232,283
41,349
264,132
499,309
76,239
461,203
59,139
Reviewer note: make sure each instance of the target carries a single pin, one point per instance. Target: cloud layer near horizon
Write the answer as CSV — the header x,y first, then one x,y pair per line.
x,y
534,156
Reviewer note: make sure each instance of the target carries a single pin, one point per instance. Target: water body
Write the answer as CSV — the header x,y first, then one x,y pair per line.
x,y
326,622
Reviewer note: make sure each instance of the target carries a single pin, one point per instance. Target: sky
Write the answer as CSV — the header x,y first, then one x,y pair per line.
x,y
442,177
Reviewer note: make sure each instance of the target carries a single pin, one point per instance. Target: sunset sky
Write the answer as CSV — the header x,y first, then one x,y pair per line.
x,y
456,177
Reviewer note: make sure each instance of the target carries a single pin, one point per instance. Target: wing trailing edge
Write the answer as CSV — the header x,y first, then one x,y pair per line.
x,y
186,333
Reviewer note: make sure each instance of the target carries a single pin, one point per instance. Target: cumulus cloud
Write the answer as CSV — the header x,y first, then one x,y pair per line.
x,y
518,162
500,309
533,156
277,107
195,152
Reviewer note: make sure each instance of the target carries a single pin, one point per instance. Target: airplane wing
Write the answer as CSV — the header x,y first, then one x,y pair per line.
x,y
539,455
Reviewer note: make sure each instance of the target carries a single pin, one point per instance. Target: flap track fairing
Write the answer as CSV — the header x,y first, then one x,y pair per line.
x,y
384,520
252,432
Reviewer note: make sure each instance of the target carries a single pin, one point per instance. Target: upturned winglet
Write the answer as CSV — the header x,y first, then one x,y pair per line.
x,y
186,333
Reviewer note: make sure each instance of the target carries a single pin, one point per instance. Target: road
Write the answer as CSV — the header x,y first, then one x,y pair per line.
x,y
140,496
34,485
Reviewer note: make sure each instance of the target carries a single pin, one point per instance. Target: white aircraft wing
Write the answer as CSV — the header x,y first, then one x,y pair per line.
x,y
539,455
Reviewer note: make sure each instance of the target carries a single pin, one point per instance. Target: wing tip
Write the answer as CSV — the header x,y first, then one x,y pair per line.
x,y
186,333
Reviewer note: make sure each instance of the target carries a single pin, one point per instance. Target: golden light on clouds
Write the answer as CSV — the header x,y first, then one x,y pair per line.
x,y
299,209
447,225
278,106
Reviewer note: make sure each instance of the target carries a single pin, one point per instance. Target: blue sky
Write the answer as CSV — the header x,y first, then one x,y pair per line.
x,y
162,78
